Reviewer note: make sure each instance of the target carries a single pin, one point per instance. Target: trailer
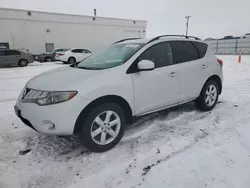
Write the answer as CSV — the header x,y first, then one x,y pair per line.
x,y
38,32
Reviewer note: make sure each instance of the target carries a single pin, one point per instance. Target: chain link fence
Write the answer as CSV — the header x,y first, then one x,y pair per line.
x,y
230,46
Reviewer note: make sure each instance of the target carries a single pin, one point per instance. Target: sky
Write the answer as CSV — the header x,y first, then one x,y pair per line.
x,y
210,18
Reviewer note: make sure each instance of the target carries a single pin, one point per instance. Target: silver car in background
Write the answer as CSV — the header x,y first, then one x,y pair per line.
x,y
19,58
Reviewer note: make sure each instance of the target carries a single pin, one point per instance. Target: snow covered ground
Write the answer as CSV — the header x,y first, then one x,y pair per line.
x,y
180,147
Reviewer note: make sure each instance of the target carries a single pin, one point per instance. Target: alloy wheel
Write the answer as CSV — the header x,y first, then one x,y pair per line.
x,y
211,95
105,127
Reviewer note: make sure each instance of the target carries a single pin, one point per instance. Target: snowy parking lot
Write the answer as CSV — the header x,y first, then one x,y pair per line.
x,y
179,147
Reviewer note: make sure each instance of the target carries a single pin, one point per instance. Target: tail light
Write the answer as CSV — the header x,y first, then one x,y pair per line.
x,y
60,54
220,62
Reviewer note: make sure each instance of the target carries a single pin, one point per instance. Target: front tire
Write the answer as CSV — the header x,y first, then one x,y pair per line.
x,y
103,127
208,96
23,63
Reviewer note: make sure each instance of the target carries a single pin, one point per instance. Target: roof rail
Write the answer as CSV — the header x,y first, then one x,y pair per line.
x,y
162,36
125,40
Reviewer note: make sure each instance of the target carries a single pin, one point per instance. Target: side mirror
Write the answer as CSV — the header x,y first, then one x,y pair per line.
x,y
146,65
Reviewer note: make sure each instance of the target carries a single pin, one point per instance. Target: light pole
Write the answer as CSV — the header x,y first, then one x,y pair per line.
x,y
187,17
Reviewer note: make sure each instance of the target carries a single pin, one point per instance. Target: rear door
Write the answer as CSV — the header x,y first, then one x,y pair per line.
x,y
192,68
77,53
158,88
12,57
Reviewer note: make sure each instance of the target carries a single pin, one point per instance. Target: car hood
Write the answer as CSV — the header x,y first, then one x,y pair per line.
x,y
63,78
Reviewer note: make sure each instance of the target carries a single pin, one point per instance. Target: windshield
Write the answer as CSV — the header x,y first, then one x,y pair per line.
x,y
112,56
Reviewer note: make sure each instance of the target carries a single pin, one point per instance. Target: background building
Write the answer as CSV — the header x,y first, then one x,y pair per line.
x,y
42,31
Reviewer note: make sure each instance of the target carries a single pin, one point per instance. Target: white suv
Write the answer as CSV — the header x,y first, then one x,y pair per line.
x,y
73,55
98,97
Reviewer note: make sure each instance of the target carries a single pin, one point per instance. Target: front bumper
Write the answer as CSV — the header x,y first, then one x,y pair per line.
x,y
62,116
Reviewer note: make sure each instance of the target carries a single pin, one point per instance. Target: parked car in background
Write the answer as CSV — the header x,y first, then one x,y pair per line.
x,y
10,57
247,36
73,55
99,96
49,56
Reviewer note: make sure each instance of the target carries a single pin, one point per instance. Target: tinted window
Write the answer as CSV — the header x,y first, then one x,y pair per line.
x,y
2,52
184,51
12,52
202,48
77,51
160,54
86,51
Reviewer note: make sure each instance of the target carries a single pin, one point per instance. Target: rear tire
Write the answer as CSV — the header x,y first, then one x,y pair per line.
x,y
71,60
48,59
103,127
208,96
23,63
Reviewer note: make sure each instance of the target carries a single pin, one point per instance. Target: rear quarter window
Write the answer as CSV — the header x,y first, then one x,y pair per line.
x,y
202,48
13,52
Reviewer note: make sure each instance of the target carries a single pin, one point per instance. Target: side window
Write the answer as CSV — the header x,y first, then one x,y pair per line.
x,y
160,54
12,52
202,48
86,51
77,51
2,53
184,51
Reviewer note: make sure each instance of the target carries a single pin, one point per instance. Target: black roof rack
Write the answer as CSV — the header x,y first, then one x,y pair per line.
x,y
183,36
126,39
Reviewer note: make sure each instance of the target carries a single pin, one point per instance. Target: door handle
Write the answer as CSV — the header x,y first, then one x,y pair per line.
x,y
172,74
204,66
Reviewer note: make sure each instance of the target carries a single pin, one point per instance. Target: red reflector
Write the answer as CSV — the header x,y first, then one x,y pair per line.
x,y
220,62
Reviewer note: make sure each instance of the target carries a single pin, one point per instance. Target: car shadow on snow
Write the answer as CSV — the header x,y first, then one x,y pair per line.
x,y
70,146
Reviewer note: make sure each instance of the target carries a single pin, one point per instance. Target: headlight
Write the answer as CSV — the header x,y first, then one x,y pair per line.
x,y
56,97
43,98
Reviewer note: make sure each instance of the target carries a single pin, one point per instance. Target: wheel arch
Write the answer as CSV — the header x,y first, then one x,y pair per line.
x,y
217,79
104,99
71,57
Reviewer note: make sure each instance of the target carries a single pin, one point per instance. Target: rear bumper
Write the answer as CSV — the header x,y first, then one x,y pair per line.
x,y
61,58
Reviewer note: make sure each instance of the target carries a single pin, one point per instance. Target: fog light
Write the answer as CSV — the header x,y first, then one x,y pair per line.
x,y
48,125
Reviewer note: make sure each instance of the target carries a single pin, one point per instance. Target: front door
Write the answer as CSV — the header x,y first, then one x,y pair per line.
x,y
158,88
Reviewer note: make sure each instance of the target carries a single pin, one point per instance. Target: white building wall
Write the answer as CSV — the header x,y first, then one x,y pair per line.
x,y
66,31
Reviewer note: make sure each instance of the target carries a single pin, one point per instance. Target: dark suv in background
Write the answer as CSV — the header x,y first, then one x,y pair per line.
x,y
19,58
49,56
